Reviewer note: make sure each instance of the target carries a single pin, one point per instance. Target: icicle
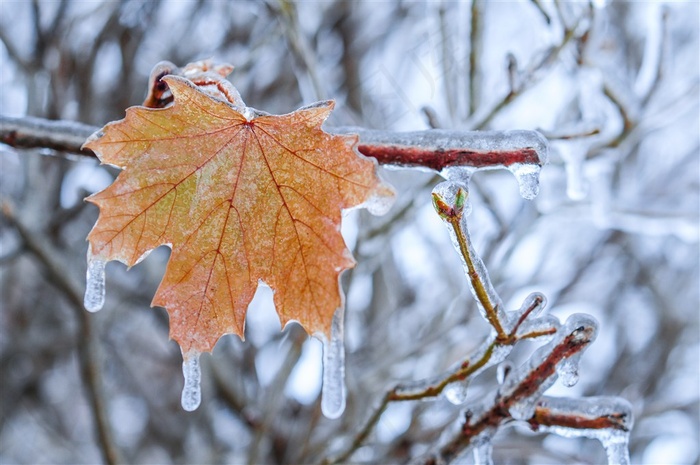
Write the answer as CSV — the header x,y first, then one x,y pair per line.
x,y
568,370
191,392
528,177
333,391
574,156
616,444
483,451
95,283
503,371
460,175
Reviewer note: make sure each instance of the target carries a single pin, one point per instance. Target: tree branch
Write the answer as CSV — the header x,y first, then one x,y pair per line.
x,y
431,149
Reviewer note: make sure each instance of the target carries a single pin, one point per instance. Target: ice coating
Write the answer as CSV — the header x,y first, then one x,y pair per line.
x,y
191,391
607,419
448,193
94,284
532,307
333,390
456,392
528,383
522,152
540,329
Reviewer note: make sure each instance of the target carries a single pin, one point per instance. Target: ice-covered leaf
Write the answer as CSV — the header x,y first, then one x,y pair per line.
x,y
241,198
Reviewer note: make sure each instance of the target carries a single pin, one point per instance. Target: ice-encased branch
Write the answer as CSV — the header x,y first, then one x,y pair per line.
x,y
520,392
30,132
431,149
524,323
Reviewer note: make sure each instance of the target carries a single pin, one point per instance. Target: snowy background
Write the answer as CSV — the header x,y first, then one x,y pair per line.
x,y
614,232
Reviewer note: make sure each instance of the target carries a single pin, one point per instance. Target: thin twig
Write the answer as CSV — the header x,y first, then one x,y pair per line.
x,y
529,79
475,35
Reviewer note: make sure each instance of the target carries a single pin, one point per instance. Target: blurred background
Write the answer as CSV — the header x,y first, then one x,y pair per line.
x,y
613,233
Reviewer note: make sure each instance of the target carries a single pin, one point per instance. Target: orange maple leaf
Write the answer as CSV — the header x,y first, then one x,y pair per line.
x,y
239,201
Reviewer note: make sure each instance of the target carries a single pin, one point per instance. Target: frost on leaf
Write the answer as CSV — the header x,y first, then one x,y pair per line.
x,y
239,200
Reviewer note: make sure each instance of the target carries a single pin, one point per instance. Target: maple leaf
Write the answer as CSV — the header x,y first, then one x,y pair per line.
x,y
239,201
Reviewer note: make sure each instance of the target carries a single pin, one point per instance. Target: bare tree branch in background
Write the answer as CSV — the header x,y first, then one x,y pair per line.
x,y
613,232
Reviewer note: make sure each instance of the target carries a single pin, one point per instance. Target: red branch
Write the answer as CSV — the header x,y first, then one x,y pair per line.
x,y
439,159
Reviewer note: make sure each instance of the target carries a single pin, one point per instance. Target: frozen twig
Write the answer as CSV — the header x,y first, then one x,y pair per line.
x,y
520,392
449,202
87,343
509,327
432,149
30,132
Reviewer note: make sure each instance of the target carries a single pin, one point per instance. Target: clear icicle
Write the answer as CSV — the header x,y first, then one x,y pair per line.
x,y
574,156
528,177
616,444
333,390
458,174
568,370
483,451
191,392
503,371
95,284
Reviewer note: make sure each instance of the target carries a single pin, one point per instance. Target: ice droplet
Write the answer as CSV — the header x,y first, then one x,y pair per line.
x,y
333,390
456,393
95,284
191,391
